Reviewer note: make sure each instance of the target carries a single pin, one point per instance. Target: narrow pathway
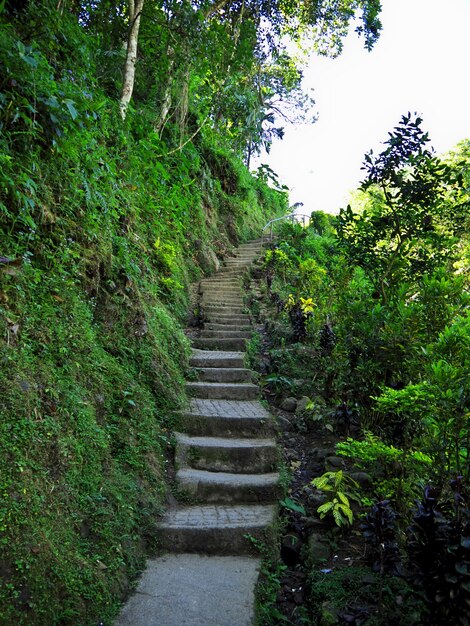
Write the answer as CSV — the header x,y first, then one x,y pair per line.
x,y
226,459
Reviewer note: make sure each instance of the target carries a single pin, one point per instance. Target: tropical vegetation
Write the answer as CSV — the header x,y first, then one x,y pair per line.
x,y
126,129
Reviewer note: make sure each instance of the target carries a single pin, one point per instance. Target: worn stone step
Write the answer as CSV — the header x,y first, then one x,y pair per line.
x,y
224,374
227,326
219,300
217,277
223,391
225,282
218,487
220,295
216,359
221,454
211,343
215,529
232,271
222,290
227,418
228,318
226,333
223,308
221,303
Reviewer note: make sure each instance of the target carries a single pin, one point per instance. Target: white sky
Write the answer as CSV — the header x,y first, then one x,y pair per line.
x,y
420,63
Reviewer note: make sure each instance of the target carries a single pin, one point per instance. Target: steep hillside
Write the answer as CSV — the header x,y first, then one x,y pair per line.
x,y
102,228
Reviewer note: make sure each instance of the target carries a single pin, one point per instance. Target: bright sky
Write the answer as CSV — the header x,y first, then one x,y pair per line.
x,y
420,63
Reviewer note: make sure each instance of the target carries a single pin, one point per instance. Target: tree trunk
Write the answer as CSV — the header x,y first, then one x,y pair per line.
x,y
135,13
166,104
184,106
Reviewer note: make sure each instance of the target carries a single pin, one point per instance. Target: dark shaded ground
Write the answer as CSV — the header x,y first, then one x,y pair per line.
x,y
304,454
322,569
341,551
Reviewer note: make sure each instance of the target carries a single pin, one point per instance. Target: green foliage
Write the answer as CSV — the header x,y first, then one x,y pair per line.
x,y
340,488
397,473
103,226
292,505
385,342
352,592
380,532
404,233
439,554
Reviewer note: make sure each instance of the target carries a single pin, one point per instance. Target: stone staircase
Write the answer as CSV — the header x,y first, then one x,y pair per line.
x,y
226,456
226,460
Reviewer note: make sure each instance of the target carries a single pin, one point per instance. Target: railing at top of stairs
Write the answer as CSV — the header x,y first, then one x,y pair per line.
x,y
294,217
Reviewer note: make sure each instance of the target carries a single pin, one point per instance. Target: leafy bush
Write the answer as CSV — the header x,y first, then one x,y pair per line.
x,y
439,554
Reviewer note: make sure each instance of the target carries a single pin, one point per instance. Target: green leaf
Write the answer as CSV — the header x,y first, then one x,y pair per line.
x,y
290,504
72,110
339,520
325,508
347,511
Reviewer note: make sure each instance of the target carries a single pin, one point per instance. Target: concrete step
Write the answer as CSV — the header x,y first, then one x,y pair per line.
x,y
228,318
227,418
237,263
216,358
219,295
231,271
223,281
220,300
211,343
215,529
225,487
221,454
223,308
246,334
227,326
216,277
223,391
194,590
224,374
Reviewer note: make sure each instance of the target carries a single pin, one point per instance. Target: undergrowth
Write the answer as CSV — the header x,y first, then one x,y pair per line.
x,y
101,234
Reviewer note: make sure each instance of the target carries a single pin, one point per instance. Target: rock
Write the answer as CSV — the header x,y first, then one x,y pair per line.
x,y
289,404
208,260
283,423
333,463
317,550
302,405
257,272
316,499
291,547
329,615
320,454
313,524
362,478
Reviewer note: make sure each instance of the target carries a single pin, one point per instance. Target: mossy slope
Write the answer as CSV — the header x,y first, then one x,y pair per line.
x,y
100,237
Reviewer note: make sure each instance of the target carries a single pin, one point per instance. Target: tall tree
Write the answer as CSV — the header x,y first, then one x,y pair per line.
x,y
135,8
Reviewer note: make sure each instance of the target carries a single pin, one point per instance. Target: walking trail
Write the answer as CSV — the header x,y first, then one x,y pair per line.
x,y
226,459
